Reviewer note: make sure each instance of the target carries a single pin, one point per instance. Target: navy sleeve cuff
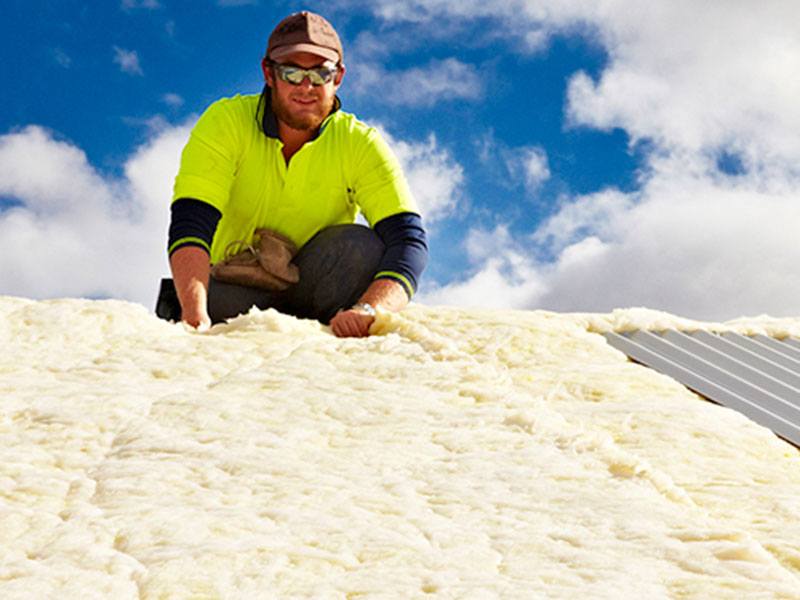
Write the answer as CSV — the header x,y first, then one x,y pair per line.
x,y
193,223
406,253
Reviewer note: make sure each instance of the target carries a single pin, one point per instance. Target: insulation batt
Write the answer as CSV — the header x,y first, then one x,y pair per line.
x,y
453,454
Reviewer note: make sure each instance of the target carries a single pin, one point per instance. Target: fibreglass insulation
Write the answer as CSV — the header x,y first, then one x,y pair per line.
x,y
453,454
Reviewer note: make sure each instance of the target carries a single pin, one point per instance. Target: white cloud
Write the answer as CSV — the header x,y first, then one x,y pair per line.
x,y
76,232
505,279
371,45
533,161
438,81
153,125
483,245
694,75
128,61
696,81
699,75
523,165
525,25
694,246
173,100
491,287
591,215
535,41
433,175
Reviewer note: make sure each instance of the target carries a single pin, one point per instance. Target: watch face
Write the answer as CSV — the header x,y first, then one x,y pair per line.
x,y
366,308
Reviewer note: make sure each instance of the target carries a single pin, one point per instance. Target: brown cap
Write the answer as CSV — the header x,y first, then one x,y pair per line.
x,y
305,32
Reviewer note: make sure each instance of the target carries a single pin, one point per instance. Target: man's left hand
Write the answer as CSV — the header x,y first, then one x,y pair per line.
x,y
351,323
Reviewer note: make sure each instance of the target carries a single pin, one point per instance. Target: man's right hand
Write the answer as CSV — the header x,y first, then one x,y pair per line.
x,y
351,323
190,271
199,320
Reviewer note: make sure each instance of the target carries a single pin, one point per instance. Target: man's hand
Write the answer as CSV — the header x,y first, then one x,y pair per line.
x,y
190,270
351,323
355,322
199,320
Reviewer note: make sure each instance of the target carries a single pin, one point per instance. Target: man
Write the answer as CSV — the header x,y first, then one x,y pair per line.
x,y
292,162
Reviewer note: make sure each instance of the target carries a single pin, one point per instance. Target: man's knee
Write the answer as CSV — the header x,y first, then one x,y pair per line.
x,y
336,266
347,248
349,239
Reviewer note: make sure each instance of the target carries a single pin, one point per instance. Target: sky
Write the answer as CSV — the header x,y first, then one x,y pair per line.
x,y
567,155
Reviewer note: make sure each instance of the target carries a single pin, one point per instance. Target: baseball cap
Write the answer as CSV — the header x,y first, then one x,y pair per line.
x,y
305,32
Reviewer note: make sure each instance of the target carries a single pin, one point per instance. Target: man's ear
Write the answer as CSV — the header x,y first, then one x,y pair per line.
x,y
337,81
266,69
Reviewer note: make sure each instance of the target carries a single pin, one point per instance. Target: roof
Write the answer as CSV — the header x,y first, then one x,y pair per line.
x,y
759,376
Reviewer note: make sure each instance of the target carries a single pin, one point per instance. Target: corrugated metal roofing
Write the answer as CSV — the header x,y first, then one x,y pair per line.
x,y
758,376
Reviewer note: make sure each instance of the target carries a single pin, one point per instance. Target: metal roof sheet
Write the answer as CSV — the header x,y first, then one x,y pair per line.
x,y
757,375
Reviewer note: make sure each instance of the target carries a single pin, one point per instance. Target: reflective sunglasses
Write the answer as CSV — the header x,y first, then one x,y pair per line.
x,y
296,75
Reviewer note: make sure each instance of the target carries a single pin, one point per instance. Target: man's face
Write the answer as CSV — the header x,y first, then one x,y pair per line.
x,y
303,106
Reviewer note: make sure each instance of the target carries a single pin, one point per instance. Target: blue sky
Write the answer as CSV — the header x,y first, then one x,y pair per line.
x,y
570,157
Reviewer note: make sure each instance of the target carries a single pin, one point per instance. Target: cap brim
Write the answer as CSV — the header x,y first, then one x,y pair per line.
x,y
283,51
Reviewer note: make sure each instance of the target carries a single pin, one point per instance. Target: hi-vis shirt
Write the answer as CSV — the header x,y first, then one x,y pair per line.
x,y
232,165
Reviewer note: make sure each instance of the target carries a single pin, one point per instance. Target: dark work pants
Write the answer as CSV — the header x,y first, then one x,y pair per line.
x,y
336,267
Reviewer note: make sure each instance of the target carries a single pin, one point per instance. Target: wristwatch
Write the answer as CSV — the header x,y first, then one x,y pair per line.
x,y
366,308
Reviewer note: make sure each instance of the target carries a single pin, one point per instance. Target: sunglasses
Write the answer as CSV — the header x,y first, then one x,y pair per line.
x,y
316,75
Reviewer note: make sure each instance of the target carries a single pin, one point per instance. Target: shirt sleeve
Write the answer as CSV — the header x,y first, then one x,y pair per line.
x,y
406,253
379,187
192,223
210,158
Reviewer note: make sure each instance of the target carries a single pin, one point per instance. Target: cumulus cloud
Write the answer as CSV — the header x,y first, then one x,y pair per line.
x,y
524,165
525,25
671,77
701,84
438,81
684,84
589,215
701,248
533,163
128,61
506,277
434,177
75,232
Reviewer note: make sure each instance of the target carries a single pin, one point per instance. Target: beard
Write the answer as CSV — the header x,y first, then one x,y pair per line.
x,y
305,121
